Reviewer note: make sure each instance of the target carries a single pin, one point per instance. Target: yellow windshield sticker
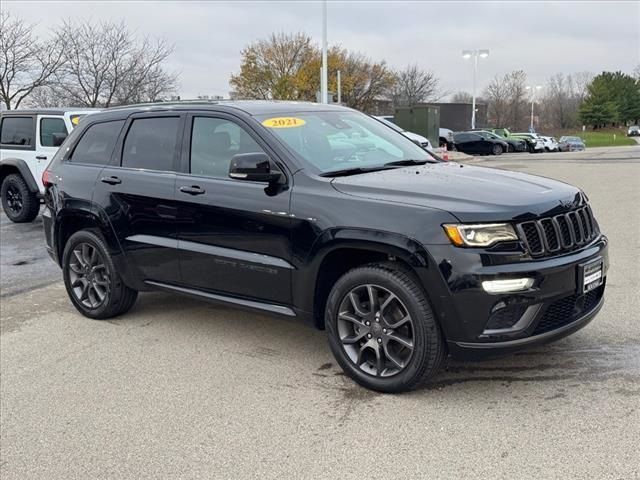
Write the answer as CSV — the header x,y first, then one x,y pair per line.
x,y
283,122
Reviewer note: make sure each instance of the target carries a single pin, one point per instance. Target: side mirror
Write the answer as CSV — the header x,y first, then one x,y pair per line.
x,y
253,167
58,138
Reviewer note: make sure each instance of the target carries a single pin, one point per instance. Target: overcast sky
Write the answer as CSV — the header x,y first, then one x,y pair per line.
x,y
541,38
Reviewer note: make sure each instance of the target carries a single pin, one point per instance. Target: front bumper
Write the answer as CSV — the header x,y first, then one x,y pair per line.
x,y
551,309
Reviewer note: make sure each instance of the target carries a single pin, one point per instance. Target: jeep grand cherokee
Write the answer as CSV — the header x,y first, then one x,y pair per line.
x,y
324,214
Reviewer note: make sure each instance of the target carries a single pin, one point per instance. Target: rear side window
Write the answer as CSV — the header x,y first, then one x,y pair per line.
x,y
151,144
17,131
49,127
97,143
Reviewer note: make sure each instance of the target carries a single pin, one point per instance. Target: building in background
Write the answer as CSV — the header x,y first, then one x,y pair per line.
x,y
457,116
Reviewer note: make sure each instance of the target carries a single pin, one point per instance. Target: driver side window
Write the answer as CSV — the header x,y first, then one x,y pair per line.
x,y
214,141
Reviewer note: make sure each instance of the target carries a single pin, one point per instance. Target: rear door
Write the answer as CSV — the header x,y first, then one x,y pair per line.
x,y
234,235
137,193
18,139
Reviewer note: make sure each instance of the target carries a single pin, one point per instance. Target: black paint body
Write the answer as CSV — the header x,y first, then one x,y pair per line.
x,y
280,248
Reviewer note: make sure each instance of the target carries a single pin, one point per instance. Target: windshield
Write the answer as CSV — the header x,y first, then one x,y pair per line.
x,y
390,124
338,140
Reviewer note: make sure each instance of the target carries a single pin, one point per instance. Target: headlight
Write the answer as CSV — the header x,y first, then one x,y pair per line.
x,y
480,235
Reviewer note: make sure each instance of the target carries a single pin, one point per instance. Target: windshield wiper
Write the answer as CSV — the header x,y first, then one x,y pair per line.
x,y
404,163
355,171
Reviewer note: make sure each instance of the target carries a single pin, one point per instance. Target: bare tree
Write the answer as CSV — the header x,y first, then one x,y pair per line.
x,y
462,97
414,85
105,64
497,96
26,63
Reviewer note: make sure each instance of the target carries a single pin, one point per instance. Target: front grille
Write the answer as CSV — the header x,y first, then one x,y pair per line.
x,y
566,310
560,233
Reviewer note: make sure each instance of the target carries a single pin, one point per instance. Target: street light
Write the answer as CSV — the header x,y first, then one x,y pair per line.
x,y
324,84
533,100
475,54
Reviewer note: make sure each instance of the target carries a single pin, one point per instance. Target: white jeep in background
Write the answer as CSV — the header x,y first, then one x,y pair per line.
x,y
28,141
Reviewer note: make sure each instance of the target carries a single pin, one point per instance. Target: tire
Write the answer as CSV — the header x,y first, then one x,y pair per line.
x,y
92,282
510,148
496,149
19,203
357,346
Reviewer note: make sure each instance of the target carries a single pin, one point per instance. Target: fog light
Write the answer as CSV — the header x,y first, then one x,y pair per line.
x,y
506,286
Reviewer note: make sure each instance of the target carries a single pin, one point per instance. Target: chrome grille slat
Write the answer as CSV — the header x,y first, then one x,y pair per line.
x,y
560,233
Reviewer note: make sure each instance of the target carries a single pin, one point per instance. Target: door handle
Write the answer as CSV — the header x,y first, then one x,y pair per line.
x,y
41,157
111,180
193,190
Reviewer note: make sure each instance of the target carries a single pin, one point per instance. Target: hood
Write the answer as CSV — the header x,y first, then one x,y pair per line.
x,y
472,194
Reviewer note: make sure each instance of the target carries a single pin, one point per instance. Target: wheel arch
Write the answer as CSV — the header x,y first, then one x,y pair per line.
x,y
70,221
19,166
339,250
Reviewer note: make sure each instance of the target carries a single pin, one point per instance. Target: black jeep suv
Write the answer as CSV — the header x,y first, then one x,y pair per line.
x,y
322,213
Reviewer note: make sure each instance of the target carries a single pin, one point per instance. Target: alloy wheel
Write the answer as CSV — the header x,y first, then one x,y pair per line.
x,y
14,199
88,275
376,330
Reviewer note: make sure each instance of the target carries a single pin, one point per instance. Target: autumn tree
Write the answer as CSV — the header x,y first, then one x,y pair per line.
x,y
274,68
26,63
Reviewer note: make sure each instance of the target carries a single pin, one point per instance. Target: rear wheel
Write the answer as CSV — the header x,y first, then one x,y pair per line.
x,y
381,329
18,202
90,277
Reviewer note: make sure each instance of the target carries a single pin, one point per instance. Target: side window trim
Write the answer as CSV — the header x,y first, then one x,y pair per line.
x,y
68,155
10,146
185,163
116,158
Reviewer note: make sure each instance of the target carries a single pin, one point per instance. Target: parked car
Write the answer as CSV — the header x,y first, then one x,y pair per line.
x,y
633,131
550,144
446,135
513,144
414,137
571,144
534,142
446,138
400,257
475,144
28,141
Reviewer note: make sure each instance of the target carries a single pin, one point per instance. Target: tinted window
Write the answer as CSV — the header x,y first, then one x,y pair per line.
x,y
96,145
49,126
17,131
151,144
213,142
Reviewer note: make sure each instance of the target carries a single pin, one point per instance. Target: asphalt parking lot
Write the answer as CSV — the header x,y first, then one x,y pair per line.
x,y
183,389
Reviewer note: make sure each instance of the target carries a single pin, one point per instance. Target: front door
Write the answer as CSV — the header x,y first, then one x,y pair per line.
x,y
46,127
233,235
137,193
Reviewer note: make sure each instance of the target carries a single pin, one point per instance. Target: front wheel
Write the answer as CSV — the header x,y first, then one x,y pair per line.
x,y
381,329
18,202
497,149
90,277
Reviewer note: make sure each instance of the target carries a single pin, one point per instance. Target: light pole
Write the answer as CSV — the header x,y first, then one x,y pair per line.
x,y
324,89
475,54
533,101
